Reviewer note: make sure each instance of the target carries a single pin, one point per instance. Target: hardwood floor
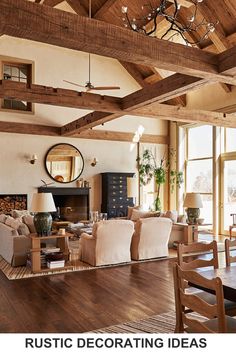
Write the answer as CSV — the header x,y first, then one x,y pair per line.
x,y
84,301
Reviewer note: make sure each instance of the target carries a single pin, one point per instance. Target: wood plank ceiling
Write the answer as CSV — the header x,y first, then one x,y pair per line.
x,y
214,60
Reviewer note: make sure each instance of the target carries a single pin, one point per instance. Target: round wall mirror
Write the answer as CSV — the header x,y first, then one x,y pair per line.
x,y
64,163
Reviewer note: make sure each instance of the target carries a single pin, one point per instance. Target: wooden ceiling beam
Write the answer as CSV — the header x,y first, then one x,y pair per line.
x,y
122,136
33,129
227,61
86,122
104,8
184,3
163,90
58,96
24,19
77,7
182,114
68,98
52,3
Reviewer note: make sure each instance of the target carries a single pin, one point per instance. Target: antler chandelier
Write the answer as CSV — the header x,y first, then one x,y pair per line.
x,y
172,15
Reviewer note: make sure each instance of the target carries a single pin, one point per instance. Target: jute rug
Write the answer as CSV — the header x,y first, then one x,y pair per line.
x,y
13,273
164,323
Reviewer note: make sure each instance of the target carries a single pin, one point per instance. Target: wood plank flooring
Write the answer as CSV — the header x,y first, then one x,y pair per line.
x,y
83,301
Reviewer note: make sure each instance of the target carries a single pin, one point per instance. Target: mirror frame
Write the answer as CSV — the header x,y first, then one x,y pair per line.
x,y
45,162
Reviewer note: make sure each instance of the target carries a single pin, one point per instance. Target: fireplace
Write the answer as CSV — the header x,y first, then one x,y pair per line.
x,y
73,203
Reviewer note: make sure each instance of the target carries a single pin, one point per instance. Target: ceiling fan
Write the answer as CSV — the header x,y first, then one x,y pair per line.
x,y
88,85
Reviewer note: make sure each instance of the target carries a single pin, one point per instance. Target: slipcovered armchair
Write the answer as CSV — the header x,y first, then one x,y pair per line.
x,y
150,239
109,243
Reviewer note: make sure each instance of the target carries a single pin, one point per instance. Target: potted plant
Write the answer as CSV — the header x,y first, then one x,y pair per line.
x,y
149,168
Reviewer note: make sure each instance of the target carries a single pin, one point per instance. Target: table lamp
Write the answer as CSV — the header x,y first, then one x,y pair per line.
x,y
42,204
193,202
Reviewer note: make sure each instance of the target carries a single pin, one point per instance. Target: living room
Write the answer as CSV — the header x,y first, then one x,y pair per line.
x,y
199,127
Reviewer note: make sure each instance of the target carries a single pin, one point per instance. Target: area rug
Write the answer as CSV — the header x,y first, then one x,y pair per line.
x,y
164,323
14,273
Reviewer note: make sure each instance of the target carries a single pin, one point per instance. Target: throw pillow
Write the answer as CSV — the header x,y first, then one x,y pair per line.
x,y
3,218
14,223
171,214
137,214
29,221
23,229
130,210
19,213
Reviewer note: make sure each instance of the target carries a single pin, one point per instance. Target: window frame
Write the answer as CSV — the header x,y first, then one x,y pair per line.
x,y
30,79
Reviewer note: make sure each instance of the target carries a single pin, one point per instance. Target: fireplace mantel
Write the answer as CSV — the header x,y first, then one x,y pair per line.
x,y
73,202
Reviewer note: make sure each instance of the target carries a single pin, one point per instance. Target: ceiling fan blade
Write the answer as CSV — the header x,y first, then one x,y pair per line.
x,y
73,83
106,88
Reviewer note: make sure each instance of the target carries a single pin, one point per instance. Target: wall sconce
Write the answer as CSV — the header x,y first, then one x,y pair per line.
x,y
33,159
94,162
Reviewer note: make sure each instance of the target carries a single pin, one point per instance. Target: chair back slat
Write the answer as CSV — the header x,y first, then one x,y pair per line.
x,y
197,247
228,257
193,303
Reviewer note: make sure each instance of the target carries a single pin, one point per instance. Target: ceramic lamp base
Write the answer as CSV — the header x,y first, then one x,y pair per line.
x,y
193,215
43,224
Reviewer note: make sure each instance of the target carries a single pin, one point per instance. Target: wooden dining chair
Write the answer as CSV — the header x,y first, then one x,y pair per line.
x,y
191,263
228,256
197,248
215,320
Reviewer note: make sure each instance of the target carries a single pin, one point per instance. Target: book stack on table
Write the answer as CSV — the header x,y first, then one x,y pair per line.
x,y
54,258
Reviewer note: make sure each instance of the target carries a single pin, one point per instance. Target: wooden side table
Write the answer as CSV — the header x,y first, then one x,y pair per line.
x,y
62,243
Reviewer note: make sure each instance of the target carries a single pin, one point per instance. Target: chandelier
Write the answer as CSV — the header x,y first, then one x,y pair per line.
x,y
171,15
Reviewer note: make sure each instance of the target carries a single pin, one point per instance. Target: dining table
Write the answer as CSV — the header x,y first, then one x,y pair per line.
x,y
228,278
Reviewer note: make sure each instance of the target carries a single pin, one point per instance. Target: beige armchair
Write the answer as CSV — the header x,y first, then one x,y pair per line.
x,y
109,244
150,239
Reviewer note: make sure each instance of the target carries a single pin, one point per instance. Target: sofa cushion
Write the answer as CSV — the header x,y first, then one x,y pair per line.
x,y
19,213
14,223
138,214
29,221
23,229
3,218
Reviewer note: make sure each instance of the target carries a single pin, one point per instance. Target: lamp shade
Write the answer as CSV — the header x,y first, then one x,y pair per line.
x,y
193,200
131,187
42,203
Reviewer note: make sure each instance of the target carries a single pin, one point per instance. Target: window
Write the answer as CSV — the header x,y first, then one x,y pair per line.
x,y
199,174
20,73
230,139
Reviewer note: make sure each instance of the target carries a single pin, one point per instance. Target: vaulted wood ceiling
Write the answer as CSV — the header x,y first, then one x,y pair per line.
x,y
213,61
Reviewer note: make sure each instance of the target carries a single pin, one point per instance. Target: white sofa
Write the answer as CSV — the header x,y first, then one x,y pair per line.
x,y
109,243
150,239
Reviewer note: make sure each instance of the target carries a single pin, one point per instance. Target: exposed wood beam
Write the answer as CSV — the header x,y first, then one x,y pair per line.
x,y
135,73
227,62
122,136
24,19
58,97
182,114
52,2
68,98
88,121
163,90
184,3
77,7
33,129
104,8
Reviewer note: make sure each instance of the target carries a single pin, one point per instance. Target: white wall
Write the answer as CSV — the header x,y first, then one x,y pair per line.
x,y
19,176
51,65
